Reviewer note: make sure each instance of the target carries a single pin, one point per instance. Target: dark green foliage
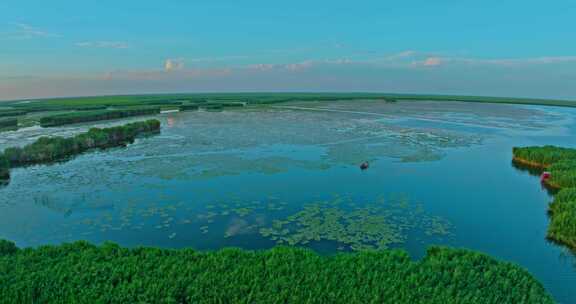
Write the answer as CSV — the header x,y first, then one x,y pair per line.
x,y
561,162
90,108
85,116
230,104
83,273
213,107
10,113
8,122
189,107
7,247
49,149
4,168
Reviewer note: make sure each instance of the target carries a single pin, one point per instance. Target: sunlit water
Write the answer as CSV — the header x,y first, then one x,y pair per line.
x,y
440,173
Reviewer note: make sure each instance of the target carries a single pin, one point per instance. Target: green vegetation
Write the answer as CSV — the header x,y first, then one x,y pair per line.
x,y
217,101
213,107
4,169
561,162
50,149
85,116
372,226
542,157
10,113
263,98
563,220
84,273
189,107
8,122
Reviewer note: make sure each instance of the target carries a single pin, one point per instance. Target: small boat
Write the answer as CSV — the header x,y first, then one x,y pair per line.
x,y
545,176
364,165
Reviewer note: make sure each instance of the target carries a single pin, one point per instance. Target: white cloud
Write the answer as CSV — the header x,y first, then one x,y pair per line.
x,y
173,64
104,44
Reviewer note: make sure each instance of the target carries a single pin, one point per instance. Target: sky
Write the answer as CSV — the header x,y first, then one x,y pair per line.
x,y
100,47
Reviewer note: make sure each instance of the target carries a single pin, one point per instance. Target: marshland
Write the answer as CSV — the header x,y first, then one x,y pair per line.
x,y
261,171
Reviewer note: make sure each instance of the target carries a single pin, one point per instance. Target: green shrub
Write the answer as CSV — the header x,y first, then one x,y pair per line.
x,y
83,273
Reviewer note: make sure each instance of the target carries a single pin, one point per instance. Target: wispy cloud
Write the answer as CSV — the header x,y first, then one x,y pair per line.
x,y
299,66
291,67
262,66
103,44
173,64
516,61
429,62
27,31
217,58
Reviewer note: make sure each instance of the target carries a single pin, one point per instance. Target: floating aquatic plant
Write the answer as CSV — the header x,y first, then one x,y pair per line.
x,y
373,226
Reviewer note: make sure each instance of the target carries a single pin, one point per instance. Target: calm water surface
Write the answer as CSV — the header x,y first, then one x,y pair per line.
x,y
440,174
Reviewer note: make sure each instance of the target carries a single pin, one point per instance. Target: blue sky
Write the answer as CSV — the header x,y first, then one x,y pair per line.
x,y
491,47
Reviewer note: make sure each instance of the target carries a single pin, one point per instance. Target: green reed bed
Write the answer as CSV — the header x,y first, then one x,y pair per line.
x,y
543,156
11,113
562,227
50,149
189,107
8,122
86,116
561,163
84,273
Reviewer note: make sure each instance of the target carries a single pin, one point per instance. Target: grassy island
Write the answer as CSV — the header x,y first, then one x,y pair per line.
x,y
50,149
561,163
83,273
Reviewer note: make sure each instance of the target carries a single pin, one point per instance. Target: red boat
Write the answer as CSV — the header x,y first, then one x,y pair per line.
x,y
545,176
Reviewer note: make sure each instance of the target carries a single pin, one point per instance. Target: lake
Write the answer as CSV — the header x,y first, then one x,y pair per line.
x,y
440,173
